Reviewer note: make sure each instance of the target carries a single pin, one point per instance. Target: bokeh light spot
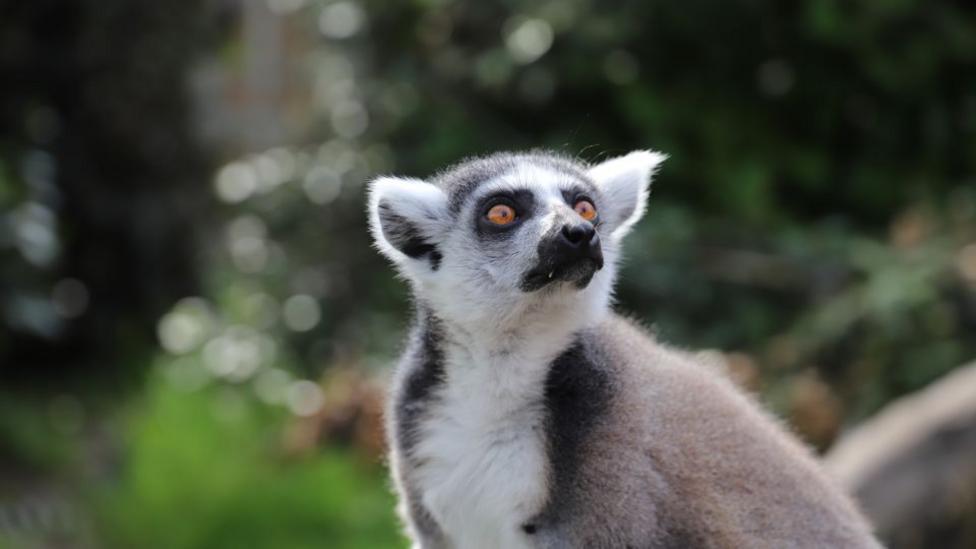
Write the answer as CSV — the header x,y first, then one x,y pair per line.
x,y
341,20
35,229
236,182
70,298
186,326
305,398
322,185
271,386
349,119
302,312
775,78
527,39
236,354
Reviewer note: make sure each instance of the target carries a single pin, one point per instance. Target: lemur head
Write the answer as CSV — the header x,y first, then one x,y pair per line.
x,y
495,238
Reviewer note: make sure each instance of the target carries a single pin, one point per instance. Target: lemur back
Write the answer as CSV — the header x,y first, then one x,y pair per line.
x,y
525,414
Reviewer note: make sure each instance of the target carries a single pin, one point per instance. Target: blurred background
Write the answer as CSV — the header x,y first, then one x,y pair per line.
x,y
195,332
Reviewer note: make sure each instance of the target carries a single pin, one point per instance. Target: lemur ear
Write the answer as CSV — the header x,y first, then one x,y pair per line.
x,y
625,182
406,217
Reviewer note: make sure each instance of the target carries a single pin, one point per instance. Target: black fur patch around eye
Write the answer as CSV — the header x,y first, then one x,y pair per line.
x,y
572,195
577,193
403,235
522,200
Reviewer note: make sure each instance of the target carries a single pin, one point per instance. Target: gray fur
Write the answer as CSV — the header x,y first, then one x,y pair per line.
x,y
463,178
423,366
620,441
421,372
668,454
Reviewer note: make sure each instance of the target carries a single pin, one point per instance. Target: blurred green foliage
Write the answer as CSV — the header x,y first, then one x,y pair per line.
x,y
203,469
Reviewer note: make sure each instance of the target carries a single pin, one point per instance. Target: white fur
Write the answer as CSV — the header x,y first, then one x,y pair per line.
x,y
413,199
624,181
484,471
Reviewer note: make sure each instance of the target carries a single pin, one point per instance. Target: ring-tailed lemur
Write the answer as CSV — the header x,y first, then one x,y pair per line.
x,y
526,414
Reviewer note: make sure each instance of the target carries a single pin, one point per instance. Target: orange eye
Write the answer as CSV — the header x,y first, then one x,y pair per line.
x,y
585,210
501,214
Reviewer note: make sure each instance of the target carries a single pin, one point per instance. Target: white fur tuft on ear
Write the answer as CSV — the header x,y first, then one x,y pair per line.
x,y
624,182
406,217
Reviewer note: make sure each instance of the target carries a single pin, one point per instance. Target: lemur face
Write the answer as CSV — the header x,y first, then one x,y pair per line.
x,y
511,228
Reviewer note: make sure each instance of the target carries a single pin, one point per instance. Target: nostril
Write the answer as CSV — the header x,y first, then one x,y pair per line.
x,y
588,232
578,234
573,234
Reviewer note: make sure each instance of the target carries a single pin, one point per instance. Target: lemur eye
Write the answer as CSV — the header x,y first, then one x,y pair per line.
x,y
585,209
501,214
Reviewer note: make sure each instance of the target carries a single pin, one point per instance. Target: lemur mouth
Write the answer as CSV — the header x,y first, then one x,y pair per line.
x,y
578,272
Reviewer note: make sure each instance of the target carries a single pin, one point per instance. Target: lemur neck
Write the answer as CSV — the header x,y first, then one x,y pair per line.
x,y
528,338
491,374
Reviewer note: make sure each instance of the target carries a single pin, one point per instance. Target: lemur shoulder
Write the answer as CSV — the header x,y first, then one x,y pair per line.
x,y
525,413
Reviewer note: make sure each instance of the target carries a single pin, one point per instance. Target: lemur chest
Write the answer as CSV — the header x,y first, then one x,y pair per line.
x,y
482,466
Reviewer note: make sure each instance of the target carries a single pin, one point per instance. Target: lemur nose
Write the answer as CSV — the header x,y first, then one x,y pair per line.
x,y
578,235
